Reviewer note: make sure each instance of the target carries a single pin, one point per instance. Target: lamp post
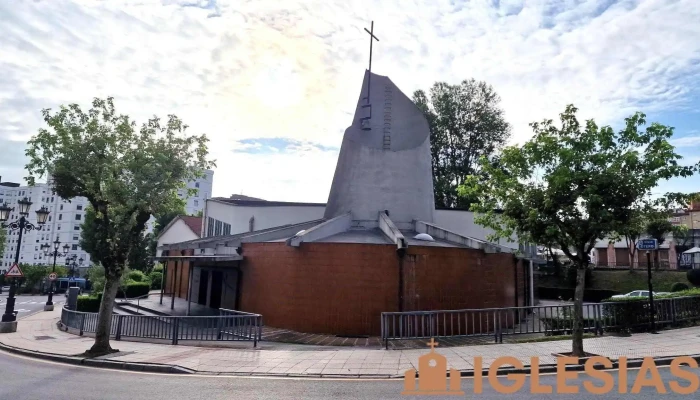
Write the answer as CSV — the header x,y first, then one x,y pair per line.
x,y
22,225
55,253
73,263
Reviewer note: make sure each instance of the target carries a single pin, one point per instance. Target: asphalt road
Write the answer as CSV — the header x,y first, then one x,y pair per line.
x,y
28,305
24,378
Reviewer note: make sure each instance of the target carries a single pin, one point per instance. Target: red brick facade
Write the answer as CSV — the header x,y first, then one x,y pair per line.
x,y
342,288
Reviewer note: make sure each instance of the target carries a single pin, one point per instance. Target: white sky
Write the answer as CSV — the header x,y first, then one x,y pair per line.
x,y
284,76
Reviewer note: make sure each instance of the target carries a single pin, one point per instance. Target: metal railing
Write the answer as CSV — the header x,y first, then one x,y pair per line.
x,y
662,264
547,320
229,325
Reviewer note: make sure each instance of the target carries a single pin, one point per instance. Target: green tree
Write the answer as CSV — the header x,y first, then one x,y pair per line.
x,y
3,237
127,174
466,123
573,185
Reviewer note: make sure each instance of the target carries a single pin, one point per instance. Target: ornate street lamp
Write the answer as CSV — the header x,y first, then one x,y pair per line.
x,y
21,225
55,253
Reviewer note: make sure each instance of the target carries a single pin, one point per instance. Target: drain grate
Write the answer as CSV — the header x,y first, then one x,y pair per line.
x,y
43,337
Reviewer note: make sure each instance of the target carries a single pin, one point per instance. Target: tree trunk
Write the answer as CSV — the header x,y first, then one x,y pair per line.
x,y
104,318
577,331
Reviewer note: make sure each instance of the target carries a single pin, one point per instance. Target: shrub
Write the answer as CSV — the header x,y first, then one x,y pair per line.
x,y
136,276
158,268
679,287
693,276
156,278
134,289
89,303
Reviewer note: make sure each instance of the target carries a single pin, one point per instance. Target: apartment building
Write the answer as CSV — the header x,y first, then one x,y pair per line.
x,y
65,220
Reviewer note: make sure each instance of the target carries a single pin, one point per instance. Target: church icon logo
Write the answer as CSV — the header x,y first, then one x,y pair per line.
x,y
433,376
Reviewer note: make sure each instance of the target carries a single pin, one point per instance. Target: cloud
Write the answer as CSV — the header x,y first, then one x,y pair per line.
x,y
291,71
691,140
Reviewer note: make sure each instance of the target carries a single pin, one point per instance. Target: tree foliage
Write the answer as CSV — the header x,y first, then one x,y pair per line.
x,y
466,123
127,174
574,184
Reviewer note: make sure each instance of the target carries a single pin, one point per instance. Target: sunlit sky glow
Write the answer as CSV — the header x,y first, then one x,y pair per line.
x,y
274,83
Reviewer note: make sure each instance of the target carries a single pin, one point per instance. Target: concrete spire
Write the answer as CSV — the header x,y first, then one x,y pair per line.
x,y
384,161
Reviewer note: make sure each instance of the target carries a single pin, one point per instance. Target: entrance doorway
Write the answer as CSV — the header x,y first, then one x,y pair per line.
x,y
216,286
203,285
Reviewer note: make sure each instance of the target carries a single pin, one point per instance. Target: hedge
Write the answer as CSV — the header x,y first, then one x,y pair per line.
x,y
89,303
156,279
632,314
589,295
563,325
134,289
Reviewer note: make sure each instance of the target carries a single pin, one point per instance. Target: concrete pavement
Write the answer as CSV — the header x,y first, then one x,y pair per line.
x,y
25,379
40,333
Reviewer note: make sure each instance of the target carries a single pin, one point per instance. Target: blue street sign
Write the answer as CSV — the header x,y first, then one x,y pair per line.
x,y
647,244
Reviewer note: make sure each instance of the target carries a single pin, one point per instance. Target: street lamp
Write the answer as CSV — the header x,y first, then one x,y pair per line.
x,y
55,253
21,225
73,263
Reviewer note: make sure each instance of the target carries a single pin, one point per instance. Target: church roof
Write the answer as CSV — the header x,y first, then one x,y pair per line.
x,y
265,203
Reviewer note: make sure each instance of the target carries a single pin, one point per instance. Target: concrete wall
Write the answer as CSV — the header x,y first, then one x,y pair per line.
x,y
340,288
265,217
462,222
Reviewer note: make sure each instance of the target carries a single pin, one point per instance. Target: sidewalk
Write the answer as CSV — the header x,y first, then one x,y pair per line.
x,y
39,333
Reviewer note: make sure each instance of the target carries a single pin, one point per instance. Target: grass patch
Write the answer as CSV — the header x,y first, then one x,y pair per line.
x,y
551,338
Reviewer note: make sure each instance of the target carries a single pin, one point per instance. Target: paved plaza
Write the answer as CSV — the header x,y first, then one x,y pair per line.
x,y
40,333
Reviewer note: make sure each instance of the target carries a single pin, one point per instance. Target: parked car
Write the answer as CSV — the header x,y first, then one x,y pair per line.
x,y
637,293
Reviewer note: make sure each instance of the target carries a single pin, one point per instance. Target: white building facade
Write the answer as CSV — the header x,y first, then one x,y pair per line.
x,y
65,220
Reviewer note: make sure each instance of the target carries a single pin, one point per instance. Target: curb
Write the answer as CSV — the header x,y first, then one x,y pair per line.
x,y
98,363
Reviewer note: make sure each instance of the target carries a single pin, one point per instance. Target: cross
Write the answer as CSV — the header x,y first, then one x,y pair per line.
x,y
365,120
371,38
432,344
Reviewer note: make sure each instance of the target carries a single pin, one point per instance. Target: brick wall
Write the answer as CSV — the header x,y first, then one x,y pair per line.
x,y
342,288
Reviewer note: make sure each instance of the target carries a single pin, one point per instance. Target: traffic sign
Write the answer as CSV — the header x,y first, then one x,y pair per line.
x,y
647,244
14,272
53,276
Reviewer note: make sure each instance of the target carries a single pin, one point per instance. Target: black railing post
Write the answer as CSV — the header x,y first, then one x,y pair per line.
x,y
219,334
82,324
176,322
118,335
673,311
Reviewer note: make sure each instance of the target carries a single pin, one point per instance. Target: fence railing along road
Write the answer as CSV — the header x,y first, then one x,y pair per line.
x,y
229,325
547,320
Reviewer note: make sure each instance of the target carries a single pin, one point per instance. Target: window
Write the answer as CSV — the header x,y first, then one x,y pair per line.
x,y
196,184
74,247
60,216
217,228
58,227
61,206
77,217
196,203
49,218
36,248
76,228
79,207
210,226
76,237
52,199
227,229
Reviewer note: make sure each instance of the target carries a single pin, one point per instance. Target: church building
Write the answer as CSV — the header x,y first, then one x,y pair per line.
x,y
377,245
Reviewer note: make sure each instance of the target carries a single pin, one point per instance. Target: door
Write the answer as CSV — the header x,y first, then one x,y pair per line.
x,y
203,285
216,286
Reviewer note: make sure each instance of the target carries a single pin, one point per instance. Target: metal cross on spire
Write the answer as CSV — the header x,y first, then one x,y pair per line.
x,y
372,38
365,120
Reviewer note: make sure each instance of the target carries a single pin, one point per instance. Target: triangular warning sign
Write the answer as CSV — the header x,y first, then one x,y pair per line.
x,y
14,272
